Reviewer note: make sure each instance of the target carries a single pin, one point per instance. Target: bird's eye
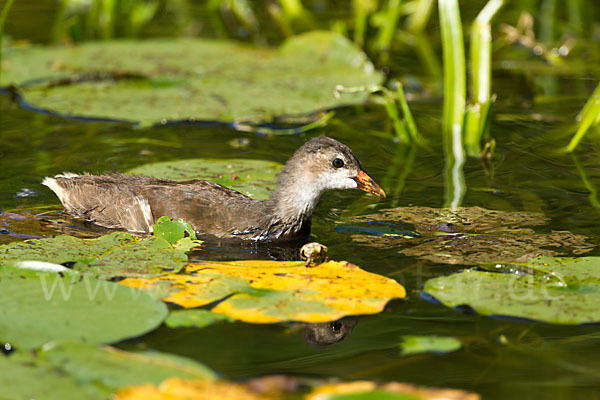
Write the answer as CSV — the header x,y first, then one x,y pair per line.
x,y
335,326
337,163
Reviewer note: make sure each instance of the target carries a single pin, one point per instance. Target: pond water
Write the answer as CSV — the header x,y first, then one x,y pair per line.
x,y
501,358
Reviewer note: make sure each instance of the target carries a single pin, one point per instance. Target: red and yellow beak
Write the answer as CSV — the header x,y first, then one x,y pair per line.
x,y
366,183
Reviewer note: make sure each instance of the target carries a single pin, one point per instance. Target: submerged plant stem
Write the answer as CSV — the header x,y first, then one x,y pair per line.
x,y
593,196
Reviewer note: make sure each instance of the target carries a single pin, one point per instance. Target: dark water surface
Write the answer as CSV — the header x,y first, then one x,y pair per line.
x,y
501,359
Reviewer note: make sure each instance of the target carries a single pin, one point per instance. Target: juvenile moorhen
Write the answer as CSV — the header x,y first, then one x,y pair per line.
x,y
134,202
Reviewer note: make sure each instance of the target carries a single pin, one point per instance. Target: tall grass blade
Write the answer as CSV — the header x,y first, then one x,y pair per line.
x,y
589,116
405,128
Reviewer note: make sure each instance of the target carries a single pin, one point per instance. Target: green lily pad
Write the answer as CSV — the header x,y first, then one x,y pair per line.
x,y
64,249
75,370
368,390
153,256
556,290
376,394
34,311
172,231
21,378
116,255
254,178
154,81
194,318
115,368
411,345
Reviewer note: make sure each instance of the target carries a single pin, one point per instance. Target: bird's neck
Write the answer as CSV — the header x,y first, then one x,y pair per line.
x,y
294,199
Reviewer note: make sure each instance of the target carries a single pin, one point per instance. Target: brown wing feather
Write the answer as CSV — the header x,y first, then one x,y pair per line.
x,y
207,206
135,202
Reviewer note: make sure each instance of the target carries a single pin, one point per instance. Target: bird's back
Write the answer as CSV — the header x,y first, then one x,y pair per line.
x,y
135,202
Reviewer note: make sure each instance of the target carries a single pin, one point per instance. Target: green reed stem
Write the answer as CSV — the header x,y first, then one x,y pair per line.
x,y
588,117
3,15
293,9
454,66
481,74
481,52
282,22
140,14
107,18
418,20
387,29
405,128
362,10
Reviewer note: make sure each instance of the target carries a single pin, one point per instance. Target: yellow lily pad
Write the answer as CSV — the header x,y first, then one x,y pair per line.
x,y
273,291
182,389
391,390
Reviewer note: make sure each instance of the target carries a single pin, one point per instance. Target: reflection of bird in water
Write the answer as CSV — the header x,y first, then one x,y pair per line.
x,y
325,334
134,203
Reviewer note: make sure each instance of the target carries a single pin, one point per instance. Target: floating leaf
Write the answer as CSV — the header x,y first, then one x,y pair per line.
x,y
187,244
271,291
64,249
428,344
194,318
466,235
254,178
73,370
556,290
190,79
366,390
172,231
149,257
23,379
34,311
176,389
116,255
114,368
